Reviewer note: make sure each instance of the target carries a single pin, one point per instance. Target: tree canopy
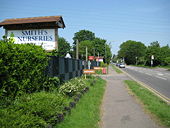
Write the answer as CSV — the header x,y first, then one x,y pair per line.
x,y
94,44
63,47
137,53
131,50
83,35
160,54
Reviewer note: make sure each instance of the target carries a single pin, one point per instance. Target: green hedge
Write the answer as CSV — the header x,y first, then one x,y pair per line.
x,y
22,68
33,110
42,109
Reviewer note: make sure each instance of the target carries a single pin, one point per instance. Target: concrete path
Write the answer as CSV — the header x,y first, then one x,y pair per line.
x,y
120,109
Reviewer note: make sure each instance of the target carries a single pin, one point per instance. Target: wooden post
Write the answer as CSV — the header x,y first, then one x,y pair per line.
x,y
86,53
56,39
6,32
77,49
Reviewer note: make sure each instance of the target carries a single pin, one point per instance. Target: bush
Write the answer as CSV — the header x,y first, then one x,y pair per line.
x,y
72,87
51,83
102,64
34,110
22,68
98,71
16,119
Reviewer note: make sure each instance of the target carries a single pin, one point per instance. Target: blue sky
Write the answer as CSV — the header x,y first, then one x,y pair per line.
x,y
114,20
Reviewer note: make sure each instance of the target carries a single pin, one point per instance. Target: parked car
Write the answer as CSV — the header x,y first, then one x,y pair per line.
x,y
121,65
117,64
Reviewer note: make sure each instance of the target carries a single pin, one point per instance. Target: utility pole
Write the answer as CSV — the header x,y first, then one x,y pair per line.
x,y
86,52
105,52
94,52
98,60
77,49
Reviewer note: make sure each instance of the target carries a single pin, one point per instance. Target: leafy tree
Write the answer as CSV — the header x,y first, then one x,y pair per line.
x,y
63,48
99,46
108,54
95,45
155,50
82,49
164,54
114,58
102,48
167,60
130,50
83,35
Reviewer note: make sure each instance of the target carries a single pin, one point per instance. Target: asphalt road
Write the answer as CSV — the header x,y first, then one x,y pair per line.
x,y
158,79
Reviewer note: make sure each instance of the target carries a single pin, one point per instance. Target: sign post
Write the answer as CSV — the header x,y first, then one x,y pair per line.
x,y
152,58
41,31
41,37
88,71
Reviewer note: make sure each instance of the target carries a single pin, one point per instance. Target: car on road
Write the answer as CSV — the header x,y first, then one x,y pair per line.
x,y
117,64
121,65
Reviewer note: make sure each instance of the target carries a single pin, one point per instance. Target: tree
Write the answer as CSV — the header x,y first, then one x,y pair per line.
x,y
167,60
63,47
83,35
131,50
99,46
82,49
108,54
103,49
95,45
155,50
80,36
164,55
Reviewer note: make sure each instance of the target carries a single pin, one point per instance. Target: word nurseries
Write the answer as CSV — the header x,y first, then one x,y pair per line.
x,y
35,35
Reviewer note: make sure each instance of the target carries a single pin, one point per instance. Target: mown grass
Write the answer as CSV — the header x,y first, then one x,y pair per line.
x,y
151,102
87,112
116,69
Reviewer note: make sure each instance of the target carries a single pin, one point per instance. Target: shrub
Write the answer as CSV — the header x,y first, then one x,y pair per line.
x,y
21,68
72,87
51,83
102,64
98,71
34,110
16,119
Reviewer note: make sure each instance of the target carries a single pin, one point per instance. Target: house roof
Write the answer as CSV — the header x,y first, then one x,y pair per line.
x,y
17,21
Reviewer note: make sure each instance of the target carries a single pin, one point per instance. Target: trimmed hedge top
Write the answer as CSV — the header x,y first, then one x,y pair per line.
x,y
22,68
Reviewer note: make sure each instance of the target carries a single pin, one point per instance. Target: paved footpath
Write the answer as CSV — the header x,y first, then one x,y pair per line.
x,y
120,109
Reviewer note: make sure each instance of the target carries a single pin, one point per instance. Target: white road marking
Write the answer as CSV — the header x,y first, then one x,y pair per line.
x,y
160,74
148,74
161,77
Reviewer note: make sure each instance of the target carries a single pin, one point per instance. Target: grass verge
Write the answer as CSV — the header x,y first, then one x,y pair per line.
x,y
87,112
151,102
116,69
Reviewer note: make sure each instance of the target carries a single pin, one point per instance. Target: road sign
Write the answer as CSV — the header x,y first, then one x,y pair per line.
x,y
88,71
91,57
152,57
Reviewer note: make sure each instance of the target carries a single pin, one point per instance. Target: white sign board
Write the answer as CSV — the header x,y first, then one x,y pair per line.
x,y
44,37
152,57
